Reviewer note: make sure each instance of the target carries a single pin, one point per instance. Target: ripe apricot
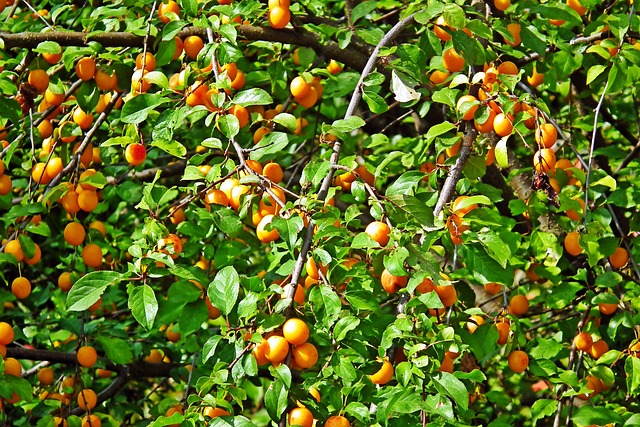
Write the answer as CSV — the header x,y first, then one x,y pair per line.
x,y
469,102
135,154
439,28
13,247
299,87
87,356
21,287
391,283
274,172
279,17
572,243
86,68
518,361
493,288
310,99
91,420
448,295
508,68
503,124
305,355
379,232
598,348
6,333
577,6
217,197
87,399
452,61
462,211
92,255
536,78
65,281
214,412
337,421
192,45
46,376
518,305
146,61
277,349
456,226
37,254
473,323
514,29
295,331
74,233
301,417
171,334
583,341
333,67
619,258
546,135
259,352
105,80
504,330
39,79
607,309
165,8
12,367
544,160
446,365
382,375
501,5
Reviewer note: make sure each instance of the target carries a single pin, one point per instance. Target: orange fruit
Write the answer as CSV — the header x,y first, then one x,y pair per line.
x,y
88,200
544,160
155,356
295,331
13,247
383,375
572,243
619,258
214,412
514,29
439,29
105,80
447,363
471,109
598,348
607,309
493,288
455,207
39,175
148,60
277,349
39,79
74,233
452,61
379,232
259,352
37,254
5,185
310,99
6,333
438,77
86,68
583,341
391,283
518,361
91,420
21,287
263,235
64,281
503,124
301,417
299,87
518,305
456,227
87,399
192,45
217,197
473,323
92,255
546,135
448,295
52,58
165,8
501,4
12,367
305,355
274,172
46,376
337,421
333,67
172,335
504,330
279,17
536,78
87,356
577,6
508,67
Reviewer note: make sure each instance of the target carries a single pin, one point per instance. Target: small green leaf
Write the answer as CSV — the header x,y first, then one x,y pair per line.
x,y
502,155
223,291
254,96
275,399
543,408
209,347
349,124
449,385
170,146
137,109
88,289
143,305
116,349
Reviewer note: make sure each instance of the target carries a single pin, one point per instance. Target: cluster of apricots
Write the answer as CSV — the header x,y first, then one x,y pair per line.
x,y
292,340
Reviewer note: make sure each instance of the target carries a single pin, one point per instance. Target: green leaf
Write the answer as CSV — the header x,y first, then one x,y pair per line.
x,y
470,48
449,385
237,421
254,96
325,303
275,399
533,39
343,326
349,124
88,289
376,103
502,153
483,267
495,247
607,181
362,9
287,120
228,125
170,146
270,146
209,347
454,16
48,47
289,229
143,305
137,109
543,408
406,183
594,72
632,369
116,349
587,415
224,289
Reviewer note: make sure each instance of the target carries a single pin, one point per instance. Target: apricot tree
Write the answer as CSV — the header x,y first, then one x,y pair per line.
x,y
336,213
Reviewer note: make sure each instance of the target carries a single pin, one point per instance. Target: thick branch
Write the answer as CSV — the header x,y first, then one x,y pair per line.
x,y
351,57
